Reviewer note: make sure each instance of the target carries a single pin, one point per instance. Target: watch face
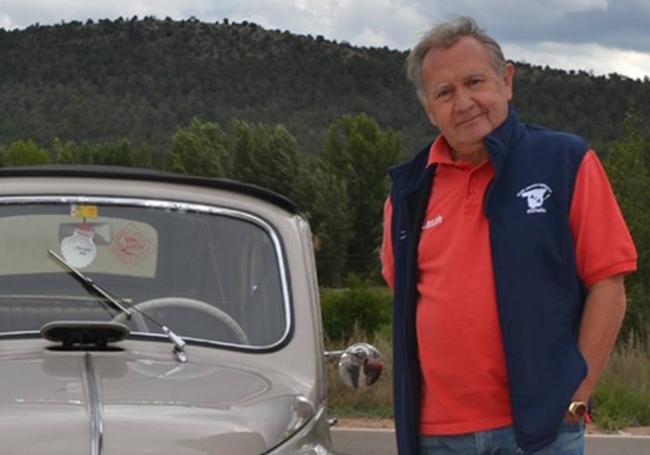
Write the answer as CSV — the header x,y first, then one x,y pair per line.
x,y
578,409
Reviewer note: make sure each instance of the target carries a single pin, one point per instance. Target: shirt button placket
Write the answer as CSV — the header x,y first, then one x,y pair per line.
x,y
470,198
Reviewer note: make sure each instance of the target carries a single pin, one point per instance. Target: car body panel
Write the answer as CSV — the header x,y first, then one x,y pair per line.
x,y
227,398
236,408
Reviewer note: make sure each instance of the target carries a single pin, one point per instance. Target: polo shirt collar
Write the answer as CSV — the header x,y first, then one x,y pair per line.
x,y
440,153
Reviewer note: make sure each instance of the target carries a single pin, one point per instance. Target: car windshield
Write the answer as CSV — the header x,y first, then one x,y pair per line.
x,y
210,274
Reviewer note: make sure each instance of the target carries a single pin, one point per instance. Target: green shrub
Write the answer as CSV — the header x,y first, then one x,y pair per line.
x,y
622,397
356,309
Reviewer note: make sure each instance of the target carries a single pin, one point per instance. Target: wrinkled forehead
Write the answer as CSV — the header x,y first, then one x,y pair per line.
x,y
468,56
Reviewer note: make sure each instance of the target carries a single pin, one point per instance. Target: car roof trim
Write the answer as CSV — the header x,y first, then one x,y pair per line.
x,y
141,174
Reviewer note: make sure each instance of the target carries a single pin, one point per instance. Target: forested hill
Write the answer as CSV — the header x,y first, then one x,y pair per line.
x,y
141,79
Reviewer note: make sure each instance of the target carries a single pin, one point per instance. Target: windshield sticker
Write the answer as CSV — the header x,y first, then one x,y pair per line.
x,y
83,211
79,249
131,246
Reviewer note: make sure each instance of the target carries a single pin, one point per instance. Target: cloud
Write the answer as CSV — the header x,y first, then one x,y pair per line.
x,y
23,13
621,23
618,23
392,23
599,59
361,22
499,13
5,21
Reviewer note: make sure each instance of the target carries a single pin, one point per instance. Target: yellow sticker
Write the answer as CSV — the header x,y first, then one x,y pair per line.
x,y
83,211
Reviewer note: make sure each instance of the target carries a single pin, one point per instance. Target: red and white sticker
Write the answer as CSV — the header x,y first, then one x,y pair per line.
x,y
131,246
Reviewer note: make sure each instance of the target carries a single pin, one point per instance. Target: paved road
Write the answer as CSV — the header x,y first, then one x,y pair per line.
x,y
382,442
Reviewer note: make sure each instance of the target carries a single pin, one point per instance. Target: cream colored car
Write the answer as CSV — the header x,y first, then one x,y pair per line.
x,y
151,313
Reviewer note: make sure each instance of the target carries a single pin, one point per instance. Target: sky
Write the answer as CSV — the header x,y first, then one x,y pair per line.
x,y
599,36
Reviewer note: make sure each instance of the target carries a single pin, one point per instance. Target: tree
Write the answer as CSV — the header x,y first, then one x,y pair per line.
x,y
64,153
627,169
201,149
359,154
332,227
266,155
121,153
24,153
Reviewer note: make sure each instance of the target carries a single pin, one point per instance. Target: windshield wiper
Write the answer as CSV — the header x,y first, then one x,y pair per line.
x,y
90,285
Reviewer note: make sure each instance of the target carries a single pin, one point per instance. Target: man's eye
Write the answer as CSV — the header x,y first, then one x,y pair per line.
x,y
475,83
443,94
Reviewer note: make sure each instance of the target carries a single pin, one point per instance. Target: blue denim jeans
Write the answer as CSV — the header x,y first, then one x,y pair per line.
x,y
570,441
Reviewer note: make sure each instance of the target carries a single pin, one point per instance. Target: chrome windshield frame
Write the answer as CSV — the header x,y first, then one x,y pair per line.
x,y
180,207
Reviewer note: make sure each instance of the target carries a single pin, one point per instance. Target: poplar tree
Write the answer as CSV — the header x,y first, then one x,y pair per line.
x,y
627,169
202,148
24,153
359,154
266,155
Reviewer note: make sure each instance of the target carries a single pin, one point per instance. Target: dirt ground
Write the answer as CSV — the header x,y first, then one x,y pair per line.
x,y
346,422
360,422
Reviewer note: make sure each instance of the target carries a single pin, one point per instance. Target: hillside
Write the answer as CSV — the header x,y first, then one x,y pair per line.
x,y
142,78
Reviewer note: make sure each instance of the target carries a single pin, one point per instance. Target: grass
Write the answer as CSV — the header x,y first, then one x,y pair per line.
x,y
621,399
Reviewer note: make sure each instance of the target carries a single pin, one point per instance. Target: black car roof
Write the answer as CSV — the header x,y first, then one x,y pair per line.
x,y
128,173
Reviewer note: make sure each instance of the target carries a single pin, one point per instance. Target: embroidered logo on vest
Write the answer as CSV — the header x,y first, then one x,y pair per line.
x,y
535,196
433,222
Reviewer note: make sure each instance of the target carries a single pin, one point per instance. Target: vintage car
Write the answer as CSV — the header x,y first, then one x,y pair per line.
x,y
153,313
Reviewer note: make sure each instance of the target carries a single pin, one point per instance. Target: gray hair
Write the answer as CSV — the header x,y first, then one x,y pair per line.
x,y
444,36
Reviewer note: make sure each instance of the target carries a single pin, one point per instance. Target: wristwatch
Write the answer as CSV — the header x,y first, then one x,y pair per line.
x,y
578,409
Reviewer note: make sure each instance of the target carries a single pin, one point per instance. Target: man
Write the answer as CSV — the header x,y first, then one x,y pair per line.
x,y
506,251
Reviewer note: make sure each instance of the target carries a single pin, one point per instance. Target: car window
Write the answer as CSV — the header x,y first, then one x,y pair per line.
x,y
208,273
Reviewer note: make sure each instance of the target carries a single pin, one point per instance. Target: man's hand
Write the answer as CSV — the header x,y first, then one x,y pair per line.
x,y
601,320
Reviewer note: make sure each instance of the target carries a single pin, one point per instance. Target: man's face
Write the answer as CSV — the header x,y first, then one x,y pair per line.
x,y
465,97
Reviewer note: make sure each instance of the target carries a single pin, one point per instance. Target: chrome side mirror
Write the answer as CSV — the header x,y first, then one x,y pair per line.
x,y
359,365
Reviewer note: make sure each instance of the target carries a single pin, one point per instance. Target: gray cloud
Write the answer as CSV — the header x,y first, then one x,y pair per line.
x,y
364,22
22,13
625,24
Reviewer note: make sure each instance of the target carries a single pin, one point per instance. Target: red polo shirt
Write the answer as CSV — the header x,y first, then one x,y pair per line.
x,y
464,387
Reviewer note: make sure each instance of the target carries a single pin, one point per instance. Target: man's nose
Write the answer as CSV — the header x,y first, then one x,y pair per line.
x,y
464,100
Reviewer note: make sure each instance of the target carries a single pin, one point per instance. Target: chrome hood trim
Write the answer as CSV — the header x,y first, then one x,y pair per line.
x,y
94,407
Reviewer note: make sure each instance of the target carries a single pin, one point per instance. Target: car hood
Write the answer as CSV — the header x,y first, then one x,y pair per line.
x,y
143,405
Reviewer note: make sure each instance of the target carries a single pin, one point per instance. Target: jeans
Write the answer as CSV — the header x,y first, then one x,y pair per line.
x,y
569,441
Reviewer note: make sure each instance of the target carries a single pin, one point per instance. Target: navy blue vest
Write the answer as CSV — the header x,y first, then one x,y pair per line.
x,y
539,295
